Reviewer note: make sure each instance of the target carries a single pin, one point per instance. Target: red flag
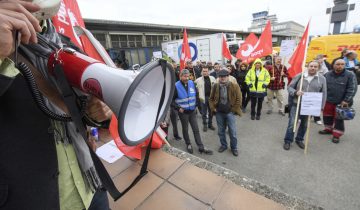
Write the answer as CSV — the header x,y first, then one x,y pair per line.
x,y
134,151
225,49
185,51
298,57
66,20
263,46
247,47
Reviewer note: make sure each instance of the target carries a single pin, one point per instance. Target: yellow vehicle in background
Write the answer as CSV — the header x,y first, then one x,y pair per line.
x,y
332,45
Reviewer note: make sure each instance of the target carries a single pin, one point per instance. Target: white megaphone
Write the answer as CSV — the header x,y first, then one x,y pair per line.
x,y
133,96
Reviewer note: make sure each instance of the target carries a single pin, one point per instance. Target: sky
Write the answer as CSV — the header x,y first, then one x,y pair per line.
x,y
223,14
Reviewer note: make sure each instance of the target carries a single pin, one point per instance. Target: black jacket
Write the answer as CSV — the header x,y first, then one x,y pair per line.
x,y
28,160
340,87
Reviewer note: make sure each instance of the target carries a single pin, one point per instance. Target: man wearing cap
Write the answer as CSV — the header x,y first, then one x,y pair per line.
x,y
225,101
185,103
230,78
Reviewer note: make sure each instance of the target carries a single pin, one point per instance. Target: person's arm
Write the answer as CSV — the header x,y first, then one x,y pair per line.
x,y
248,79
292,89
351,87
267,78
238,100
212,98
324,91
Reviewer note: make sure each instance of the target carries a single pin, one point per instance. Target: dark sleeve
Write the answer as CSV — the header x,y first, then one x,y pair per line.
x,y
5,83
327,64
174,105
351,88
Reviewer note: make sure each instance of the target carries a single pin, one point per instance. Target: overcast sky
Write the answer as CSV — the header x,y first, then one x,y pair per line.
x,y
221,14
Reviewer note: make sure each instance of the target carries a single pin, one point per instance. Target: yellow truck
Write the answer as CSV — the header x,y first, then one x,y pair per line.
x,y
332,45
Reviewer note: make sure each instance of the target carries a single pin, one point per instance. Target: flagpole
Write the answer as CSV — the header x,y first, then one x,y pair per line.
x,y
301,82
307,134
282,69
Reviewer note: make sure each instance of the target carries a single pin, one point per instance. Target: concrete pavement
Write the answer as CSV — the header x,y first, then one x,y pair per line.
x,y
328,176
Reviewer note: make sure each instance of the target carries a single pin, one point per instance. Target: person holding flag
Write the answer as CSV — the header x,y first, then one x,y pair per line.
x,y
276,86
257,79
312,82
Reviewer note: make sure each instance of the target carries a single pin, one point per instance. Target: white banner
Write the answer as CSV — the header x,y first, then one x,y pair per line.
x,y
287,48
311,103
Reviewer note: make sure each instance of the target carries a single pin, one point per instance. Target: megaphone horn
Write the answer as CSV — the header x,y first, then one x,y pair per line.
x,y
132,95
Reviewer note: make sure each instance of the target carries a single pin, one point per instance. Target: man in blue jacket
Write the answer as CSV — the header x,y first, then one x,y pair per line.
x,y
185,103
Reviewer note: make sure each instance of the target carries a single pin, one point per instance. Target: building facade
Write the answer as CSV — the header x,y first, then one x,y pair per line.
x,y
135,42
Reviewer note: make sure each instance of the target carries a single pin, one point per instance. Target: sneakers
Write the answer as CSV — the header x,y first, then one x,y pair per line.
x,y
221,149
269,112
325,132
286,146
335,140
300,144
318,122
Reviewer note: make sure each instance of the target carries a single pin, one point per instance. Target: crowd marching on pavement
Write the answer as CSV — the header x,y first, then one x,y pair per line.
x,y
224,91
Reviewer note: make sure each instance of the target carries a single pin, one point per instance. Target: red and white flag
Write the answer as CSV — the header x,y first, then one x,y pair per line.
x,y
297,59
185,52
225,49
263,47
247,47
68,21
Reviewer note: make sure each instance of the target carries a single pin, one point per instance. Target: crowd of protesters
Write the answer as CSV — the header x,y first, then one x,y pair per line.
x,y
224,91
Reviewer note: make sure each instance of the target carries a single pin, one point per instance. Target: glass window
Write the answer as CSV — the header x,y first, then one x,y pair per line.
x,y
134,57
142,58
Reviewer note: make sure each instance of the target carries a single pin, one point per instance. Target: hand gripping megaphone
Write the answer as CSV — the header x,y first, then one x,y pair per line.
x,y
133,96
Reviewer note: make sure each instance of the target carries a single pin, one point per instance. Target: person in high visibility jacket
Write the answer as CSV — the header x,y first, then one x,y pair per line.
x,y
185,103
257,79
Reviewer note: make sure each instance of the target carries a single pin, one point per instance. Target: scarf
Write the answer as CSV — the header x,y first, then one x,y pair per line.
x,y
65,132
223,93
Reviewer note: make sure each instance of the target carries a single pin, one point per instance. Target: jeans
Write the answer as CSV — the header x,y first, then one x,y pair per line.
x,y
205,108
289,136
100,201
185,119
222,120
259,102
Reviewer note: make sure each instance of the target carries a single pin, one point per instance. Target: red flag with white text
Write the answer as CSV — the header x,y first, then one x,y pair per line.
x,y
66,19
185,51
263,47
247,47
298,57
225,49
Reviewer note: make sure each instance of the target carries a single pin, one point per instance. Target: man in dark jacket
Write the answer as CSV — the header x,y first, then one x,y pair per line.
x,y
341,89
225,101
